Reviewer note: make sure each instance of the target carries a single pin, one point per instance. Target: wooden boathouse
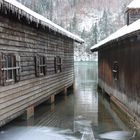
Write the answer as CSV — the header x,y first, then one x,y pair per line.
x,y
119,64
36,60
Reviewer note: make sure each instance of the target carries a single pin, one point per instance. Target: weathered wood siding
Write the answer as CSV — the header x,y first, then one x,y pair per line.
x,y
27,42
133,15
127,88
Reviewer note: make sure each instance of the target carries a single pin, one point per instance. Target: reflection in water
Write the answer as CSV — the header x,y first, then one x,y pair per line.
x,y
118,135
84,115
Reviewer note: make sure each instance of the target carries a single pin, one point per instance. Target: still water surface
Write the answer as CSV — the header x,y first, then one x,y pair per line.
x,y
82,115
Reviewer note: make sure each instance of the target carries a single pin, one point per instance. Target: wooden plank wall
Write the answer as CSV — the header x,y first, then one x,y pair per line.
x,y
27,42
134,14
127,88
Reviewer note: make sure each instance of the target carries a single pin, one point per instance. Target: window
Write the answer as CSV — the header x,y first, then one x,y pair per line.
x,y
58,64
40,66
10,68
115,70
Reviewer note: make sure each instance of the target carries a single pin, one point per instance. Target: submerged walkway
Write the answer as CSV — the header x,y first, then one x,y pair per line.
x,y
83,115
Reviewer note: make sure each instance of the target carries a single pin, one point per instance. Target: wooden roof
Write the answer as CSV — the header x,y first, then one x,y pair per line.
x,y
120,34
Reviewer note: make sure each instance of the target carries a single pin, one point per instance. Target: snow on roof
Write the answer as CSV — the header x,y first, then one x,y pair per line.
x,y
134,4
110,38
126,30
40,19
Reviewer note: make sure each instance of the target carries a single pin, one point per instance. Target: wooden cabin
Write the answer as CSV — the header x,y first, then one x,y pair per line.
x,y
36,60
133,11
119,67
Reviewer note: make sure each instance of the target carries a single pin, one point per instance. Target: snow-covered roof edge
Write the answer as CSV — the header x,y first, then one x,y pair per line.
x,y
20,11
135,4
124,31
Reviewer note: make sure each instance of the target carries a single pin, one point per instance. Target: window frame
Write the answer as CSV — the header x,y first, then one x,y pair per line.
x,y
39,65
42,66
58,64
14,68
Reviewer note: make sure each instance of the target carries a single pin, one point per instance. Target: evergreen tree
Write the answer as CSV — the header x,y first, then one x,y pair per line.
x,y
104,25
83,34
73,2
93,36
95,33
73,25
51,10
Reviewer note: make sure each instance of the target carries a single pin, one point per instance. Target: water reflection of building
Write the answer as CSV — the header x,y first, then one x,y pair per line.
x,y
91,107
58,115
109,121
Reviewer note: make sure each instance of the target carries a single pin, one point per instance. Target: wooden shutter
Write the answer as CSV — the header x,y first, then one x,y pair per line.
x,y
2,65
61,64
18,70
55,64
45,63
36,59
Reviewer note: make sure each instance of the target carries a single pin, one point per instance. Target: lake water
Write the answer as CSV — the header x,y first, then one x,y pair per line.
x,y
83,115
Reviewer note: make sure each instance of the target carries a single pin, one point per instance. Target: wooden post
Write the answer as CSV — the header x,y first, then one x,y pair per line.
x,y
30,122
52,107
51,99
65,91
29,113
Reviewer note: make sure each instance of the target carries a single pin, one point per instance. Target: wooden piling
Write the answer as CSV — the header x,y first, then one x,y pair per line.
x,y
51,99
65,91
29,113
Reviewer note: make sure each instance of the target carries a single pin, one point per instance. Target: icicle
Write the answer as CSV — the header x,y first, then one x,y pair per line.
x,y
28,15
20,11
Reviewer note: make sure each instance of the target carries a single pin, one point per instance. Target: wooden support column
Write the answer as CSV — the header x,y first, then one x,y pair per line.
x,y
65,91
51,99
30,122
29,113
52,107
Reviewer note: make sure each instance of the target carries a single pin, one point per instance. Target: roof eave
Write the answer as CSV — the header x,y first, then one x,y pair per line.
x,y
94,50
34,18
115,40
